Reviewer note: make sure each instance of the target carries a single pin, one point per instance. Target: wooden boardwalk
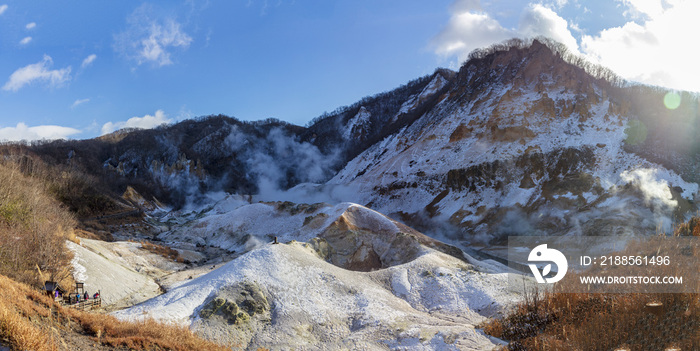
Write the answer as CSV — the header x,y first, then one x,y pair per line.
x,y
75,300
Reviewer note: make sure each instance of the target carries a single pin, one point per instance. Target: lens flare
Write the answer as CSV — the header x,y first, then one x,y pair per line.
x,y
672,100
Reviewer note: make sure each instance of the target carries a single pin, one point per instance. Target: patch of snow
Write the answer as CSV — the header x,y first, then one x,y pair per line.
x,y
568,195
357,124
79,270
433,87
400,284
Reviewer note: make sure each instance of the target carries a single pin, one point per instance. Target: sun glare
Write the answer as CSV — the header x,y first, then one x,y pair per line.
x,y
672,100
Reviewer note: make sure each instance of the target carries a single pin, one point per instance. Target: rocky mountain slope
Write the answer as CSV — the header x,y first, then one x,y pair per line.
x,y
348,235
523,143
525,138
178,163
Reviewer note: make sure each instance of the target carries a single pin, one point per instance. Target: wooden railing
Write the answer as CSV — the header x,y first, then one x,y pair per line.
x,y
83,305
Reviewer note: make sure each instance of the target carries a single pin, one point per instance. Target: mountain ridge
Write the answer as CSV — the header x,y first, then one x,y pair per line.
x,y
530,99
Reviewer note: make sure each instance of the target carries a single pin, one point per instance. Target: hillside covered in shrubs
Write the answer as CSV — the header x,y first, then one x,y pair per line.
x,y
34,227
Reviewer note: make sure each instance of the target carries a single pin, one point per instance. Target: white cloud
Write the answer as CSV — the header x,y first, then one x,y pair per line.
x,y
3,8
25,40
467,31
30,25
576,28
145,122
150,40
655,51
470,28
639,8
88,60
79,102
48,132
38,72
538,20
652,48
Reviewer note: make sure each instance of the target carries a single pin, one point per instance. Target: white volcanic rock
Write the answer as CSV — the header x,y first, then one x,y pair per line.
x,y
347,234
432,302
122,272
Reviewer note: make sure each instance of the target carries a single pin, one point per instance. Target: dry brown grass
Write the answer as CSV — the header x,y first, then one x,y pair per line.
x,y
29,320
568,321
17,304
144,335
164,251
689,228
23,334
590,321
558,321
33,229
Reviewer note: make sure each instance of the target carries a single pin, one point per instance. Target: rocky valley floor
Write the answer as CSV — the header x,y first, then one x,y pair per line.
x,y
340,277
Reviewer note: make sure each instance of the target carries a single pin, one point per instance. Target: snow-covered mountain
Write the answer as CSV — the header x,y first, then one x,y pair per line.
x,y
373,204
525,138
521,143
177,164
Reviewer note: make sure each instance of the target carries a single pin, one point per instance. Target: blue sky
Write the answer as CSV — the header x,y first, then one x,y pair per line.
x,y
83,68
